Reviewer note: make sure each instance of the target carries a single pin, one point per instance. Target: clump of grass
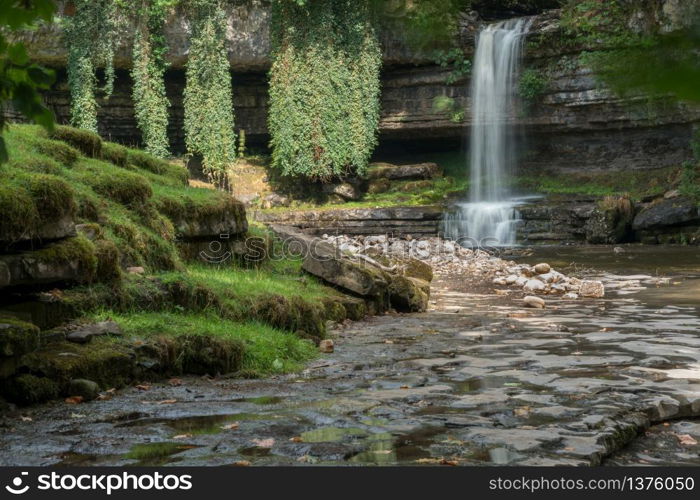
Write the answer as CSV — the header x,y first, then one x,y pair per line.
x,y
88,143
267,350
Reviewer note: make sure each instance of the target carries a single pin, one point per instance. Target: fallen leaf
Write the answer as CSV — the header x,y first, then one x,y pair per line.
x,y
404,387
264,443
104,397
297,439
445,461
241,463
388,341
167,402
26,419
143,387
175,382
182,436
111,391
74,400
686,439
231,427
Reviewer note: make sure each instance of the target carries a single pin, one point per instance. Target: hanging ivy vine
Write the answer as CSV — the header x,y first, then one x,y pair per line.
x,y
208,97
151,104
324,87
91,37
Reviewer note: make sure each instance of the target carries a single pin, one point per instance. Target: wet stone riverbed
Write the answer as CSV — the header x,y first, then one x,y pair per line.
x,y
478,379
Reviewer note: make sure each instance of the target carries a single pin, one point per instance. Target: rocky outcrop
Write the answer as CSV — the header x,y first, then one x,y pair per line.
x,y
577,124
393,220
667,212
363,277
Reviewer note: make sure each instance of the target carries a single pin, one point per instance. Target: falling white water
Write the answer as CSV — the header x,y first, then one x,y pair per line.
x,y
490,216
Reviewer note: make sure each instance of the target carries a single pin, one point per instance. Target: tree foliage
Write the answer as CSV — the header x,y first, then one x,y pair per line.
x,y
208,98
151,104
324,87
20,80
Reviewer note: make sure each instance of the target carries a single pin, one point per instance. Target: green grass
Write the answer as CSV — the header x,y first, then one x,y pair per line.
x,y
637,184
267,350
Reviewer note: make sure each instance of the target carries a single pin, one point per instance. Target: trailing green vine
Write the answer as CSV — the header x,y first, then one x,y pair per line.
x,y
91,37
324,87
208,99
151,103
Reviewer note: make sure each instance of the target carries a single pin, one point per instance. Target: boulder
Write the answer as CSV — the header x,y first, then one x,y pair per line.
x,y
667,212
87,389
409,294
415,268
592,289
346,190
325,261
403,172
71,260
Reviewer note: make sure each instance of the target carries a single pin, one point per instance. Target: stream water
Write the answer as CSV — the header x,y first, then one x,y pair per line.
x,y
475,380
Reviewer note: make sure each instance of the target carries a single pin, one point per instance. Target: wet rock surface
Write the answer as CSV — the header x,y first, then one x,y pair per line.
x,y
478,379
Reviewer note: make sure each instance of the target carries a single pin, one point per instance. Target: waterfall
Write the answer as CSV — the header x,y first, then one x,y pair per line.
x,y
490,216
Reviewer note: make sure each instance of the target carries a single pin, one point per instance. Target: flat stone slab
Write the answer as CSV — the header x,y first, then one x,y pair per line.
x,y
85,333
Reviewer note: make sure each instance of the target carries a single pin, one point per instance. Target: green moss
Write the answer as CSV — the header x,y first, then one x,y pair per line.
x,y
19,213
78,252
59,151
17,337
115,153
126,188
104,361
29,389
89,143
108,260
52,195
38,164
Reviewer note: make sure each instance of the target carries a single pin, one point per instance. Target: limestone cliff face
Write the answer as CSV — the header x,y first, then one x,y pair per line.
x,y
575,124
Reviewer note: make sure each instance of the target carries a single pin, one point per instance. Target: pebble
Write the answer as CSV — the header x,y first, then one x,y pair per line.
x,y
326,346
534,302
542,268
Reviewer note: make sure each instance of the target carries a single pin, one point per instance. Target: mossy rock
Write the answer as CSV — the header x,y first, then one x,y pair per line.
x,y
291,314
72,260
16,339
380,185
89,143
414,268
207,355
105,361
60,151
408,294
27,389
